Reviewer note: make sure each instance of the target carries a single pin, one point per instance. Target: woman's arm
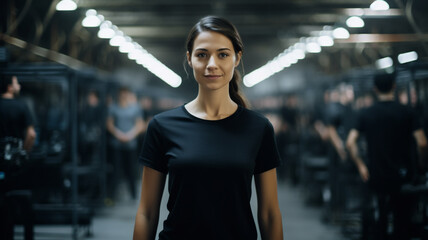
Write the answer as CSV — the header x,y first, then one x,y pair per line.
x,y
147,218
269,214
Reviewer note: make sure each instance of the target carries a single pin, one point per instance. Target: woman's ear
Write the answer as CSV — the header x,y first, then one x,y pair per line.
x,y
189,59
238,58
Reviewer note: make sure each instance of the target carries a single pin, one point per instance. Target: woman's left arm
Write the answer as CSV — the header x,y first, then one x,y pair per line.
x,y
268,212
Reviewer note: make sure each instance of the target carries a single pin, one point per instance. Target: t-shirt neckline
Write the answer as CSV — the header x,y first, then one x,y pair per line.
x,y
233,115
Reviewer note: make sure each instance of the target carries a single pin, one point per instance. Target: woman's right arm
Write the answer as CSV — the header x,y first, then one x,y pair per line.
x,y
147,218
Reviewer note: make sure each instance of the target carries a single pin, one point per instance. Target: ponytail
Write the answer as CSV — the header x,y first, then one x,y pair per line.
x,y
234,91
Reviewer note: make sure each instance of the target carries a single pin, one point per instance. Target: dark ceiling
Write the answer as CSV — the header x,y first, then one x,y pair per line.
x,y
267,27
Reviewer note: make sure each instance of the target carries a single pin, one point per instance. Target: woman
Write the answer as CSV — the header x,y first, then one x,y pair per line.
x,y
211,148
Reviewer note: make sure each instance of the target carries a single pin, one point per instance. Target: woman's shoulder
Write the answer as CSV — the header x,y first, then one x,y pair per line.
x,y
253,115
169,114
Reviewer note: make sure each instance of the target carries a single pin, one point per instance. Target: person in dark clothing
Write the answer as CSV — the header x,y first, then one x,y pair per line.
x,y
17,137
389,129
16,120
91,126
339,121
211,148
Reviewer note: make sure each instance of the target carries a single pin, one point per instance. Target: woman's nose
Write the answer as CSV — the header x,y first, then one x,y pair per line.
x,y
212,62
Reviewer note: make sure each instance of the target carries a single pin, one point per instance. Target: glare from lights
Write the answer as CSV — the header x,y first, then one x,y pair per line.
x,y
355,22
160,70
341,33
384,63
313,47
145,59
135,54
379,5
325,41
66,5
298,54
106,30
275,66
126,47
92,19
118,39
134,50
257,76
285,60
407,57
91,12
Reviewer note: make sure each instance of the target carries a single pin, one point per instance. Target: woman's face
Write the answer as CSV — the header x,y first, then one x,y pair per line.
x,y
213,60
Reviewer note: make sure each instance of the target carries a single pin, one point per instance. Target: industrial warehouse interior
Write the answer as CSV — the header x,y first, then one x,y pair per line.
x,y
308,66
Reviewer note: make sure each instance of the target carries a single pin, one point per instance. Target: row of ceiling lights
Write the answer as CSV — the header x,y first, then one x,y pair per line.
x,y
291,55
125,43
314,44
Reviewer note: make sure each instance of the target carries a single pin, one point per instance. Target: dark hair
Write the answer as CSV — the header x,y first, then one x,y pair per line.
x,y
5,81
384,82
224,27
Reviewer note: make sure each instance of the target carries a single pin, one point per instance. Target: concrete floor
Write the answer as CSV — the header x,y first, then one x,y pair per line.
x,y
116,223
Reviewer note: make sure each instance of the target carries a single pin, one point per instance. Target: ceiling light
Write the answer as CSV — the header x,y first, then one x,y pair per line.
x,y
298,54
384,63
341,33
92,19
126,47
325,41
355,22
118,39
257,76
407,57
379,5
285,60
275,66
66,5
106,30
313,47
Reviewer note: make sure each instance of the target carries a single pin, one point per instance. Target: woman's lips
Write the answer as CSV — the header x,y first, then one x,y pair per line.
x,y
212,77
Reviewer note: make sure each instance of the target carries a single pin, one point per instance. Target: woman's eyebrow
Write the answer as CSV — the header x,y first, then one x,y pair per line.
x,y
224,49
218,50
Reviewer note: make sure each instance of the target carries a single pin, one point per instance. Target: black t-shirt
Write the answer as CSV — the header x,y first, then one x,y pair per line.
x,y
341,117
15,118
388,127
210,166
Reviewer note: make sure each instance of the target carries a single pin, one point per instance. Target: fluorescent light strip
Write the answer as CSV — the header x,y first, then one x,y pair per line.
x,y
407,57
379,5
384,63
127,45
66,5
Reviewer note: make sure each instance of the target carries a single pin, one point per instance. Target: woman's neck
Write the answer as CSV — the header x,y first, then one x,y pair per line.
x,y
212,105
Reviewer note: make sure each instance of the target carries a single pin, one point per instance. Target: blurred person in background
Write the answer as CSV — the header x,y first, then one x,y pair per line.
x,y
17,137
389,129
125,123
211,148
92,117
339,117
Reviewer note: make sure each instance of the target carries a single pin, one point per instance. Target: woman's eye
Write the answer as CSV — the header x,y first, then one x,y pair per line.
x,y
201,55
223,55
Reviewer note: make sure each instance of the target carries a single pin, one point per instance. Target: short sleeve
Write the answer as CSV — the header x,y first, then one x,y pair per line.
x,y
138,112
111,110
268,155
153,152
29,120
333,116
